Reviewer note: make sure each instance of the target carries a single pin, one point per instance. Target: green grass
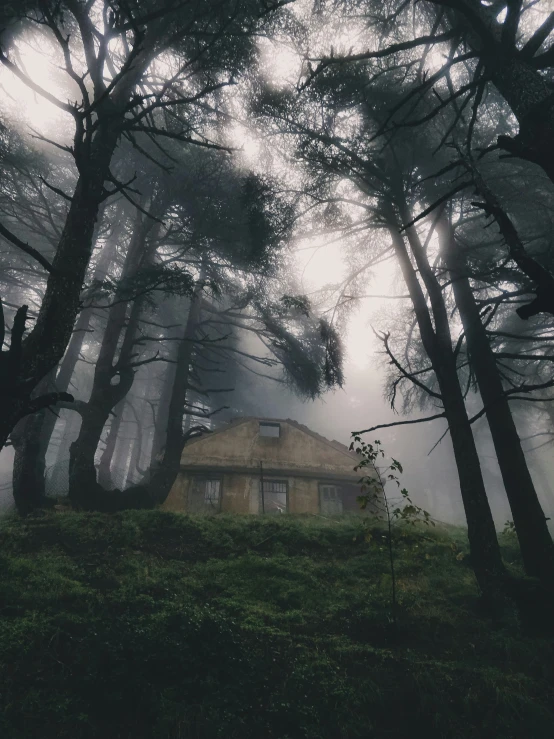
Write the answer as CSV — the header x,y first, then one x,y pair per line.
x,y
150,625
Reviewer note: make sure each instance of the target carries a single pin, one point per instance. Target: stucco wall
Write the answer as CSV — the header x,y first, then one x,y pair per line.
x,y
178,495
239,455
236,494
241,445
240,494
303,495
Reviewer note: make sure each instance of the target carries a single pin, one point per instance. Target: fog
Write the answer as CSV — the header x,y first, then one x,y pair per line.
x,y
310,268
429,473
231,230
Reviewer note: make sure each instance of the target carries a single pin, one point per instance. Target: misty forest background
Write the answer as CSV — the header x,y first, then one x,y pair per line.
x,y
336,211
260,170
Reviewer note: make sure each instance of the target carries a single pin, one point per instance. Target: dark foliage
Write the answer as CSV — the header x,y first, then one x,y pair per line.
x,y
151,625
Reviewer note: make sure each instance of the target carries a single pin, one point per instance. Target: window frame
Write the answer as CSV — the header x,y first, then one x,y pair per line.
x,y
338,496
198,489
269,425
207,497
272,481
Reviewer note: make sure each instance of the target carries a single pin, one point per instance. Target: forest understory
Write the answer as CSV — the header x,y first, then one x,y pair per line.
x,y
157,625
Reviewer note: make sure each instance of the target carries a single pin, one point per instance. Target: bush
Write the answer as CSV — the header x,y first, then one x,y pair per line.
x,y
159,625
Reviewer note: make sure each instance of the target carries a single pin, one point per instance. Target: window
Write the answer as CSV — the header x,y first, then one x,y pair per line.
x,y
205,495
270,429
330,499
274,498
212,493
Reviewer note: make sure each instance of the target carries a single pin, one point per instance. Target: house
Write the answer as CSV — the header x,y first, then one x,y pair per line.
x,y
259,465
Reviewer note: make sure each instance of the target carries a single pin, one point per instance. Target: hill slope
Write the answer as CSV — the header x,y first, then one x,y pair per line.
x,y
154,625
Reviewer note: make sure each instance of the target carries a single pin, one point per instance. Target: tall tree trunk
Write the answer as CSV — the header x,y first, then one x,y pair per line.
x,y
485,551
537,548
44,347
69,429
30,360
136,453
544,484
82,327
105,395
29,464
162,413
32,435
104,467
164,475
121,454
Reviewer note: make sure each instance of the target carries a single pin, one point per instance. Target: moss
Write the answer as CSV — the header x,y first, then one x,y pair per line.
x,y
159,625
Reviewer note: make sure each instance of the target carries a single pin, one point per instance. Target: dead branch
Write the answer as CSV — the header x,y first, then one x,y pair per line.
x,y
26,248
401,423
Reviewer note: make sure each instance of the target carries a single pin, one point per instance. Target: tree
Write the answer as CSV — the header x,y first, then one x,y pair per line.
x,y
512,60
481,50
32,436
378,186
208,44
114,375
343,93
226,228
513,54
535,541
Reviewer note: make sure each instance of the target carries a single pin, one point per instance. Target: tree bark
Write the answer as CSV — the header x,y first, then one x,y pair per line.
x,y
136,453
93,149
543,279
32,435
121,454
530,98
29,465
162,414
105,395
484,548
104,467
164,476
537,548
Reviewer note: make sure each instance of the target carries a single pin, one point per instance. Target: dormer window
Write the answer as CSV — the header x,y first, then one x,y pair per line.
x,y
270,429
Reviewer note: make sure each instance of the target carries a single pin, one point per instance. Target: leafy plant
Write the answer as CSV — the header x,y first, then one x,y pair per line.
x,y
299,303
156,625
373,492
509,529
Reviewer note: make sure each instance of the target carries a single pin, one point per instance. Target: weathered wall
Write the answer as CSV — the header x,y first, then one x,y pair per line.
x,y
178,495
236,494
239,455
303,495
240,494
241,445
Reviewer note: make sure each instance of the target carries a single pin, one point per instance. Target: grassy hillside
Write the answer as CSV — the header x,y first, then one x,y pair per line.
x,y
154,625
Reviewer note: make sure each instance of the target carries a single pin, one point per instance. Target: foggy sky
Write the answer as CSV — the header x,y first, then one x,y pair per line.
x,y
431,479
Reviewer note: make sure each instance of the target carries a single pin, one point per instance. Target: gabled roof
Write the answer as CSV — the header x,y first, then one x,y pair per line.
x,y
238,447
238,420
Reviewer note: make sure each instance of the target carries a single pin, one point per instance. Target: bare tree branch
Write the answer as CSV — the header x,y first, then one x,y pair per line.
x,y
384,338
400,423
538,38
29,250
